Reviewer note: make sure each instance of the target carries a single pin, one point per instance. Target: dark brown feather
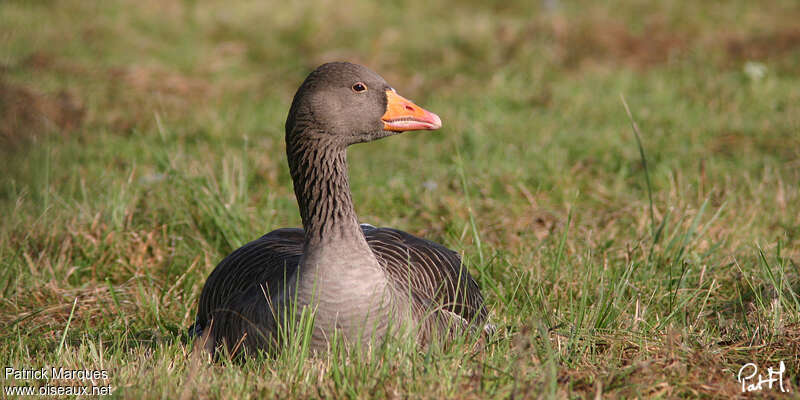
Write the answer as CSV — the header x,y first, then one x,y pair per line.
x,y
235,295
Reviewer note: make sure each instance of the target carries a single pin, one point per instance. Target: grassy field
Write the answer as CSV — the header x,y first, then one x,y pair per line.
x,y
142,141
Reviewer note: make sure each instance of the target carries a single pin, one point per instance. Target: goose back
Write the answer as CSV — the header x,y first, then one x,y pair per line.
x,y
249,290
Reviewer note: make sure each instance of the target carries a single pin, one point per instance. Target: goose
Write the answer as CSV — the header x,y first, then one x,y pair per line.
x,y
362,282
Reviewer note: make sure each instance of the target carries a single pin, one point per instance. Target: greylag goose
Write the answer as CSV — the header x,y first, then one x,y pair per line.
x,y
359,280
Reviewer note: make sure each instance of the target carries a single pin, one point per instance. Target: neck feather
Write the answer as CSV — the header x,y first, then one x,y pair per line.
x,y
318,166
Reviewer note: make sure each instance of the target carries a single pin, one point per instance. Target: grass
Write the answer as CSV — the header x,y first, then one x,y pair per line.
x,y
148,144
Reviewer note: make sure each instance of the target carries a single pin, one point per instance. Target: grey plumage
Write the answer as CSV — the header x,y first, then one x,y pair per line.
x,y
359,279
433,275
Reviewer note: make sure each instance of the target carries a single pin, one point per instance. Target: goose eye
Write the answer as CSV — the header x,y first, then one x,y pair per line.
x,y
359,87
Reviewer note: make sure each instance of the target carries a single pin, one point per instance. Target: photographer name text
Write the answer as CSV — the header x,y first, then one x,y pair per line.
x,y
55,373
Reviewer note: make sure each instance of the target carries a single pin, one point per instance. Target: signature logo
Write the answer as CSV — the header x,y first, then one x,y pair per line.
x,y
749,371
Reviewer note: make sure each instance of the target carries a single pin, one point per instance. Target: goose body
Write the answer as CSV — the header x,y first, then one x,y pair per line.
x,y
360,281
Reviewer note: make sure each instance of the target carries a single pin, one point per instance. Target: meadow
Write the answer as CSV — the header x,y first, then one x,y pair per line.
x,y
622,179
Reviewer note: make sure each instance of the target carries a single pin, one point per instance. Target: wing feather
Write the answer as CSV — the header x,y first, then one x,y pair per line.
x,y
239,294
432,274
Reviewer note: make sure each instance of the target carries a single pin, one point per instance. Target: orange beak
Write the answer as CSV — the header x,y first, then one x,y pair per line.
x,y
403,115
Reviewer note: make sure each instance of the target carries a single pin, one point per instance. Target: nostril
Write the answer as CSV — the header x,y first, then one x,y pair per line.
x,y
409,108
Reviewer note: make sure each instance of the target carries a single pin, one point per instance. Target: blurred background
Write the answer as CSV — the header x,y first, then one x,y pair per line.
x,y
141,141
529,92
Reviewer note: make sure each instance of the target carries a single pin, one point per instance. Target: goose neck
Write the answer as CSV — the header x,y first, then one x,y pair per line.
x,y
319,171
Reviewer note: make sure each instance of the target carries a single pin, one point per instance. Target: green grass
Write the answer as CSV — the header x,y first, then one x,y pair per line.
x,y
143,141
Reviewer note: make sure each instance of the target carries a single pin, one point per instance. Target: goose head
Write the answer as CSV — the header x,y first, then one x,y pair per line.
x,y
346,103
